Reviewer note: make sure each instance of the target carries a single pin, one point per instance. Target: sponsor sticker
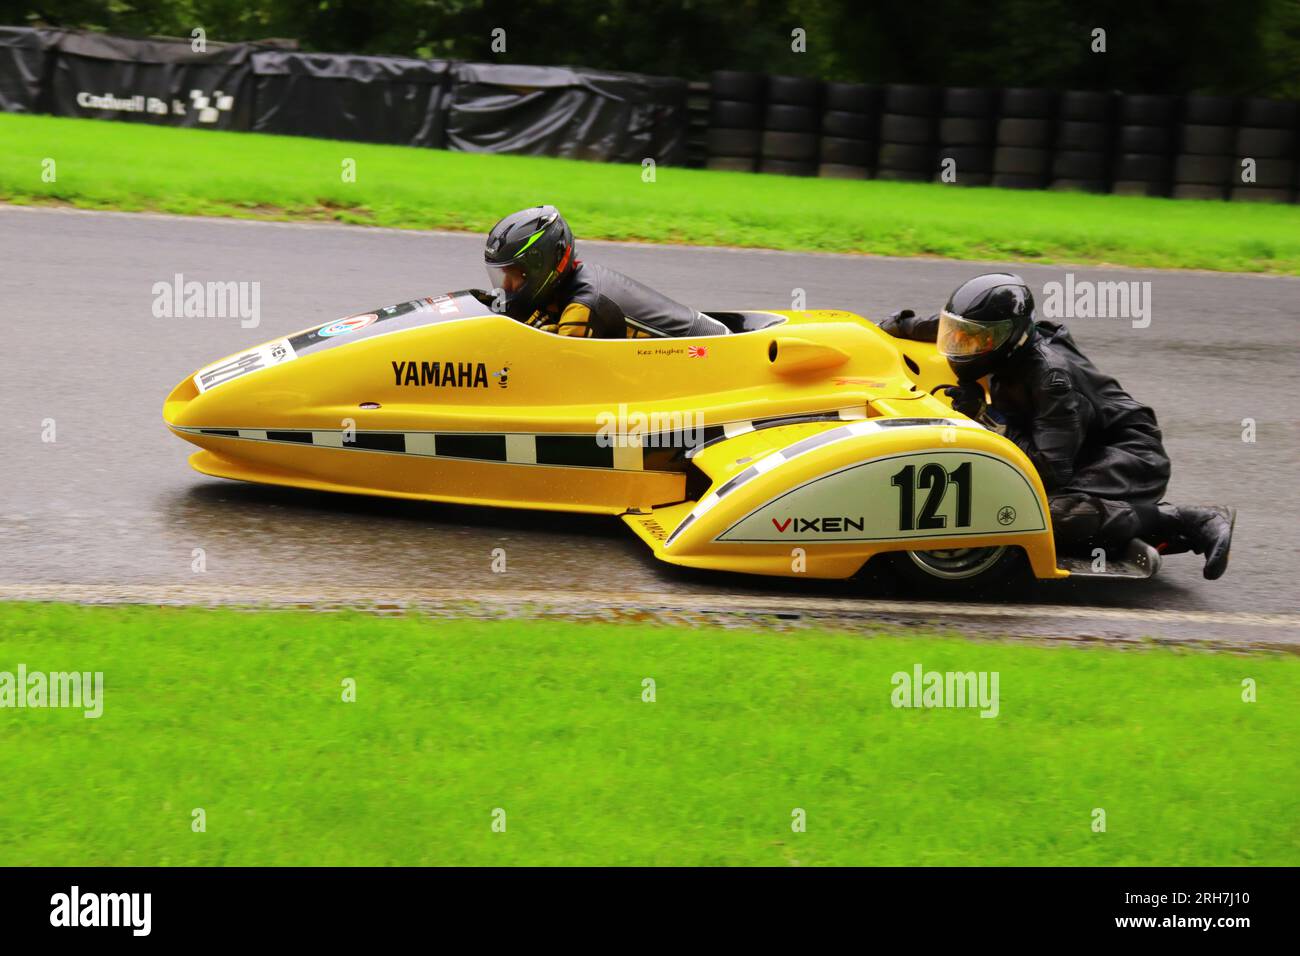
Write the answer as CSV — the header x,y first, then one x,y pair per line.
x,y
254,360
440,374
445,304
344,326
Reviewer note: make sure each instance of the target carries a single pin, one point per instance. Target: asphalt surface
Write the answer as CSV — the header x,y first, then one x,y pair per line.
x,y
111,500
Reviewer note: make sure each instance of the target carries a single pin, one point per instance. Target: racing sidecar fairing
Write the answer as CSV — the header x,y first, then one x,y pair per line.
x,y
803,443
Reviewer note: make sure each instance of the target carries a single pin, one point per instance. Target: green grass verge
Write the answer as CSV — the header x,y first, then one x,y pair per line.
x,y
241,714
106,165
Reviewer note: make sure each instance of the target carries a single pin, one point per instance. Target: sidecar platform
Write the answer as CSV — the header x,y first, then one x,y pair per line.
x,y
1140,561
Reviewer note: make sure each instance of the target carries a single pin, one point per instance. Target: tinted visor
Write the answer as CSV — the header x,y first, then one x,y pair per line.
x,y
509,277
960,337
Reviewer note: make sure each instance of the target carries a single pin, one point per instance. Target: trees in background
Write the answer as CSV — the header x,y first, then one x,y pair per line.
x,y
1171,46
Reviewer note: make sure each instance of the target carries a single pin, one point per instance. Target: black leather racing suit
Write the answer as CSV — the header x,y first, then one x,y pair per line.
x,y
595,302
1097,450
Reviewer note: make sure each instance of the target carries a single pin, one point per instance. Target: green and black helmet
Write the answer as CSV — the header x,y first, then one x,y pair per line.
x,y
527,254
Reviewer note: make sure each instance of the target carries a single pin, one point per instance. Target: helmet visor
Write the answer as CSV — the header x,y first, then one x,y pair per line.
x,y
960,337
510,277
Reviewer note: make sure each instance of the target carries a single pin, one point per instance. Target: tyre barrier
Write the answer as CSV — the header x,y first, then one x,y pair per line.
x,y
698,120
1144,151
789,145
1083,143
1265,142
849,120
966,136
909,122
1206,148
734,135
1022,155
1153,145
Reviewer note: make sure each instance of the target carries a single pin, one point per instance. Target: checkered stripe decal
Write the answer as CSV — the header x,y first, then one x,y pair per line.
x,y
571,451
562,450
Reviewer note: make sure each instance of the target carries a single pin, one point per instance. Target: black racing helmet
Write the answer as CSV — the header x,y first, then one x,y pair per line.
x,y
984,322
527,253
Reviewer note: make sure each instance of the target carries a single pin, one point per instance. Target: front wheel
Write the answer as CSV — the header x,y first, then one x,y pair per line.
x,y
966,572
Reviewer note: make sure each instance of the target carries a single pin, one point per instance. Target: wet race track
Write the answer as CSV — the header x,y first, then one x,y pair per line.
x,y
112,501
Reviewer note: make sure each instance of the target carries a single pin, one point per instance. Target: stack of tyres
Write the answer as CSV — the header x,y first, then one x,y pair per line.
x,y
697,123
1266,135
1144,145
848,126
735,120
1206,138
1081,159
790,126
908,127
965,153
1023,157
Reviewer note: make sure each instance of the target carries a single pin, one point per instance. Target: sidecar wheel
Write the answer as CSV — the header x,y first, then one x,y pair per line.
x,y
958,571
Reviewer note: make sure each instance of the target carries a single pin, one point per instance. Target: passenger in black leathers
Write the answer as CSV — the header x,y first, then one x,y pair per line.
x,y
1097,450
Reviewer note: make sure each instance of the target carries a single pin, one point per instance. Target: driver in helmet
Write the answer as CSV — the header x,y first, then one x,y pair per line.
x,y
1098,451
537,279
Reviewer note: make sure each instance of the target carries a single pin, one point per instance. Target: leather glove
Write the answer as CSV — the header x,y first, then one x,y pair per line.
x,y
891,322
967,398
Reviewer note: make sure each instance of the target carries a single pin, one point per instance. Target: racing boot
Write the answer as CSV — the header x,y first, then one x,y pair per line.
x,y
1206,531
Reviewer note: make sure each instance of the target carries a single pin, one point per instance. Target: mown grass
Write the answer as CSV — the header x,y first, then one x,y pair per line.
x,y
241,714
110,165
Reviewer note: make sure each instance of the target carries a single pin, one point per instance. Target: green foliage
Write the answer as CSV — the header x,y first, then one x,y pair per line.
x,y
1248,47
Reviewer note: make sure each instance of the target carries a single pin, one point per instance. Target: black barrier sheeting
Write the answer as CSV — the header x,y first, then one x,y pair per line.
x,y
24,53
671,123
556,111
374,99
152,81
